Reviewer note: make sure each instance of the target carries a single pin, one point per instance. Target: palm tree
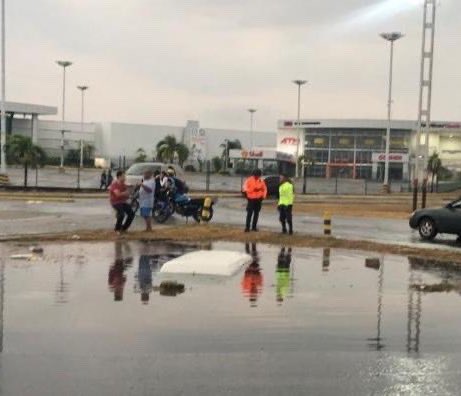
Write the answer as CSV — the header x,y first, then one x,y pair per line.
x,y
141,155
230,145
169,148
182,151
434,165
21,150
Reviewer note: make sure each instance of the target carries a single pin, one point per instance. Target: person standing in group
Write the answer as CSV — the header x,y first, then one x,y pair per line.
x,y
103,181
285,204
110,178
146,198
255,190
119,195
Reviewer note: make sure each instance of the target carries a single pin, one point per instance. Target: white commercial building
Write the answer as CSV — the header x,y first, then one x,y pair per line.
x,y
113,141
356,148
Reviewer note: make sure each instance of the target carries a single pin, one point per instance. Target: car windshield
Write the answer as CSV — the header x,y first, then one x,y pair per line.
x,y
139,169
456,204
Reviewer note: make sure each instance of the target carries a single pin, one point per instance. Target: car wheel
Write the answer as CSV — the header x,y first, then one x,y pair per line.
x,y
427,229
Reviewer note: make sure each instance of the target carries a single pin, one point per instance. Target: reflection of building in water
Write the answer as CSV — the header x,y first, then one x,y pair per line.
x,y
282,274
2,301
326,259
117,278
252,281
375,342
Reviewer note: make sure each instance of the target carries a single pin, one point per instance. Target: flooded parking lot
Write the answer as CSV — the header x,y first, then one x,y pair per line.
x,y
94,319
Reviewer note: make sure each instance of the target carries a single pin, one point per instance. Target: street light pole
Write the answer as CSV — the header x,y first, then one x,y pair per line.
x,y
391,37
82,89
299,83
252,112
64,65
3,94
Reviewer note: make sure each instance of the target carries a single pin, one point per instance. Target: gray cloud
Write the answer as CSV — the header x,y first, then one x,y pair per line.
x,y
163,61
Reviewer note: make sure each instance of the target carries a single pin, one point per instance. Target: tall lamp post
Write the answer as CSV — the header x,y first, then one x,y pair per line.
x,y
299,83
252,112
64,65
82,89
391,37
3,95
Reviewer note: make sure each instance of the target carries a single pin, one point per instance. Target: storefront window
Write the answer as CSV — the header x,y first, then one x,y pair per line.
x,y
320,141
342,157
270,167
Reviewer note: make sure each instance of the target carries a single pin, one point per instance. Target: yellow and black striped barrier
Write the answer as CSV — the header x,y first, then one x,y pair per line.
x,y
4,180
327,223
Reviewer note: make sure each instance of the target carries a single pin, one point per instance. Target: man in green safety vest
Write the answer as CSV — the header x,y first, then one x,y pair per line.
x,y
285,205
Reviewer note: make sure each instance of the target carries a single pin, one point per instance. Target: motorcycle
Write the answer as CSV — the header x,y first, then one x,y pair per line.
x,y
200,209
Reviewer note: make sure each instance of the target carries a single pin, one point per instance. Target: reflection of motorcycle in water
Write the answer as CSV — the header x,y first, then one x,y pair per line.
x,y
252,282
200,209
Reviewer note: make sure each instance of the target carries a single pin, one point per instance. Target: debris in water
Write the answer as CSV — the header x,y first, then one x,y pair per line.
x,y
374,263
170,288
75,237
36,249
28,256
435,288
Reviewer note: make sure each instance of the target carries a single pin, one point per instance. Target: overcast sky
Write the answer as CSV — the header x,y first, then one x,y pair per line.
x,y
166,61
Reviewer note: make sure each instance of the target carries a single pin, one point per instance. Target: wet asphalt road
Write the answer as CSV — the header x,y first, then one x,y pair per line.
x,y
293,322
32,217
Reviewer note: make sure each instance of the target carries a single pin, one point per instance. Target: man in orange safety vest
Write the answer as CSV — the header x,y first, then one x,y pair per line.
x,y
255,190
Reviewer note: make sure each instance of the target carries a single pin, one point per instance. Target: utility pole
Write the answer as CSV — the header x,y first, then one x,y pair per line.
x,y
391,38
82,89
64,65
425,93
299,83
3,94
252,112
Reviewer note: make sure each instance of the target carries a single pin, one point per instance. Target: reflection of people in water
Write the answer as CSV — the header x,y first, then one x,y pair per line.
x,y
282,274
145,277
252,281
117,277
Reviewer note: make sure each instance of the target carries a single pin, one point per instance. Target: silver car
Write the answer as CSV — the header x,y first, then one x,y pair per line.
x,y
135,172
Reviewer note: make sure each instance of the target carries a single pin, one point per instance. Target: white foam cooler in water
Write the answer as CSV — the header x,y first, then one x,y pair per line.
x,y
207,262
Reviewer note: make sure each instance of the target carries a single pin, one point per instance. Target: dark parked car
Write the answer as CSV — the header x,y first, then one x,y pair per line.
x,y
430,222
272,184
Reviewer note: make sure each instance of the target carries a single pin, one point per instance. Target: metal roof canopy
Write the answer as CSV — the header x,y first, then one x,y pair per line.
x,y
28,108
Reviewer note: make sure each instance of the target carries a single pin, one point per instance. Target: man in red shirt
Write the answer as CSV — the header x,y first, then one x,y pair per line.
x,y
119,195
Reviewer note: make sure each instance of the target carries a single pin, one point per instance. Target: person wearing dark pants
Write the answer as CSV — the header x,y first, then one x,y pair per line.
x,y
119,194
285,204
255,190
124,212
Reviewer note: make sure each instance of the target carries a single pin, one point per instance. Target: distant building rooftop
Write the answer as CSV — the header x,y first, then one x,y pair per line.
x,y
27,108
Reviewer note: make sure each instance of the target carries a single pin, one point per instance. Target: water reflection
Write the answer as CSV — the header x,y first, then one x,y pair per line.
x,y
375,342
282,274
123,260
2,296
252,282
326,259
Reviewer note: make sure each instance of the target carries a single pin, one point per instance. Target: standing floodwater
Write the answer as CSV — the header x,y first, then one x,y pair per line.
x,y
93,319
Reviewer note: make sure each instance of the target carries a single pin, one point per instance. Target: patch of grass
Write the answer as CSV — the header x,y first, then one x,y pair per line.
x,y
210,233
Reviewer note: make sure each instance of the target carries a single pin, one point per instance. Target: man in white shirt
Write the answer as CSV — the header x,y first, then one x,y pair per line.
x,y
146,198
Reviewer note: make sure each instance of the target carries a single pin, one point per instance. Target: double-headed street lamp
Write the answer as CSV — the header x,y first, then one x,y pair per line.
x,y
252,112
391,37
64,65
82,89
299,83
